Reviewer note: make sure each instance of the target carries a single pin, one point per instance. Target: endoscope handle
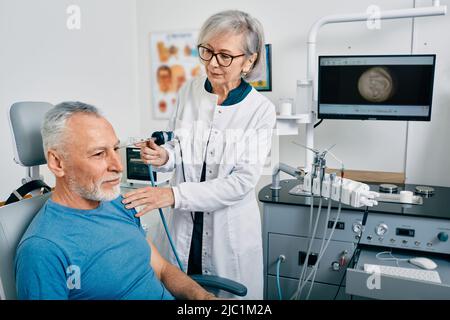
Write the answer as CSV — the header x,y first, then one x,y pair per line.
x,y
161,137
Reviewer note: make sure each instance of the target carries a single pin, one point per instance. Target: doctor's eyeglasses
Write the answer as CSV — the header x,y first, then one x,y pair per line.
x,y
223,59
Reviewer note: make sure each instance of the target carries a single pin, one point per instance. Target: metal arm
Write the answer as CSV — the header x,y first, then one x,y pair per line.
x,y
435,10
285,168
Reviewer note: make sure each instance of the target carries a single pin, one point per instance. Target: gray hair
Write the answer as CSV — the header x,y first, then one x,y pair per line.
x,y
238,22
54,126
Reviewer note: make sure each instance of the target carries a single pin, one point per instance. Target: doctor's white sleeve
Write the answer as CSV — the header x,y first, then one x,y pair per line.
x,y
170,164
219,193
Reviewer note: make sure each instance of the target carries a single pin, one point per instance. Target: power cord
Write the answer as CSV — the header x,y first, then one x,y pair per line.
x,y
318,123
349,263
363,223
280,260
392,258
164,222
315,268
301,286
304,271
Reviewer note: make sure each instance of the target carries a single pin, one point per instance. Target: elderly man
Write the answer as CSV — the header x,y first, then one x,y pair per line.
x,y
83,244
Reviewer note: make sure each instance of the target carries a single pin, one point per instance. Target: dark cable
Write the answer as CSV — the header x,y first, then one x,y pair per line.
x,y
363,223
318,123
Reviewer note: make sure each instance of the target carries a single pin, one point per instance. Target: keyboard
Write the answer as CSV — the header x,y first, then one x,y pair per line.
x,y
410,273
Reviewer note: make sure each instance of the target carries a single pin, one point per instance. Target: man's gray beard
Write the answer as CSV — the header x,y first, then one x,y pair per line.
x,y
95,193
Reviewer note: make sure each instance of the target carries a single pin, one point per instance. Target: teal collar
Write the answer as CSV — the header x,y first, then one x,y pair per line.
x,y
234,96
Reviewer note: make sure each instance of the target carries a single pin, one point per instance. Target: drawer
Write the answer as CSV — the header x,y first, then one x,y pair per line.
x,y
294,220
320,291
387,287
292,248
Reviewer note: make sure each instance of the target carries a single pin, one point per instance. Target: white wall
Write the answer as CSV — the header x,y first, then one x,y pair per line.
x,y
106,63
362,145
41,60
428,144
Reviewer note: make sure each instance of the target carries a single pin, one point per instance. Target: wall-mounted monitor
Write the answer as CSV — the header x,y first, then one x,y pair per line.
x,y
387,87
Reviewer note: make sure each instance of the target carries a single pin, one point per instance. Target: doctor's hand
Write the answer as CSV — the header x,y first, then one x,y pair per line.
x,y
153,154
150,197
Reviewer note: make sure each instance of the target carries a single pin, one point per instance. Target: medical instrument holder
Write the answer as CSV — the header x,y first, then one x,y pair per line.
x,y
354,193
296,173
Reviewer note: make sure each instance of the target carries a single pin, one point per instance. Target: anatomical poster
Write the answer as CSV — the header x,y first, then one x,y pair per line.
x,y
174,60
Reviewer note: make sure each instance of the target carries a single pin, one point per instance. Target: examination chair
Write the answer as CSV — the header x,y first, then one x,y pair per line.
x,y
16,217
25,120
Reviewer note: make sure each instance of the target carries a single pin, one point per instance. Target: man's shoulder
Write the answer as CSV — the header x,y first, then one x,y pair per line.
x,y
41,223
120,209
45,232
117,204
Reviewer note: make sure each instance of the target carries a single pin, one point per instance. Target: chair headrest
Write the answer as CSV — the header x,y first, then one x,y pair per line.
x,y
25,119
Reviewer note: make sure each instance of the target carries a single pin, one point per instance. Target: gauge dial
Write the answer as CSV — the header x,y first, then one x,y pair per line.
x,y
357,227
381,229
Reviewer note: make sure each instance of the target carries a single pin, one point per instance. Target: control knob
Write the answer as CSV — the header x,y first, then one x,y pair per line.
x,y
442,236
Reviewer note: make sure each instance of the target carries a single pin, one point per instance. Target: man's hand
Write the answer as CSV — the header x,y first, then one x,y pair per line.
x,y
210,296
180,285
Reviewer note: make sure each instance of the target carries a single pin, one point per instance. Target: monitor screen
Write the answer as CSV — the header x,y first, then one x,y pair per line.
x,y
136,168
394,87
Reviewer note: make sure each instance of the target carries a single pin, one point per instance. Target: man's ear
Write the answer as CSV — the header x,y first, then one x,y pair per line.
x,y
55,163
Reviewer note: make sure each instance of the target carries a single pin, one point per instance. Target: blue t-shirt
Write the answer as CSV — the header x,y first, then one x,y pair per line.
x,y
86,254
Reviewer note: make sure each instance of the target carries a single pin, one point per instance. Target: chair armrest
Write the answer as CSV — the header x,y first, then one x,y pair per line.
x,y
220,283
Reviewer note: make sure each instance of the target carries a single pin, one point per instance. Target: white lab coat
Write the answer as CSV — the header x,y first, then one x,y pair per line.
x,y
235,141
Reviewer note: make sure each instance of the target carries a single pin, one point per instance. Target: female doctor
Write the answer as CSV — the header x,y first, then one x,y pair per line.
x,y
223,131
